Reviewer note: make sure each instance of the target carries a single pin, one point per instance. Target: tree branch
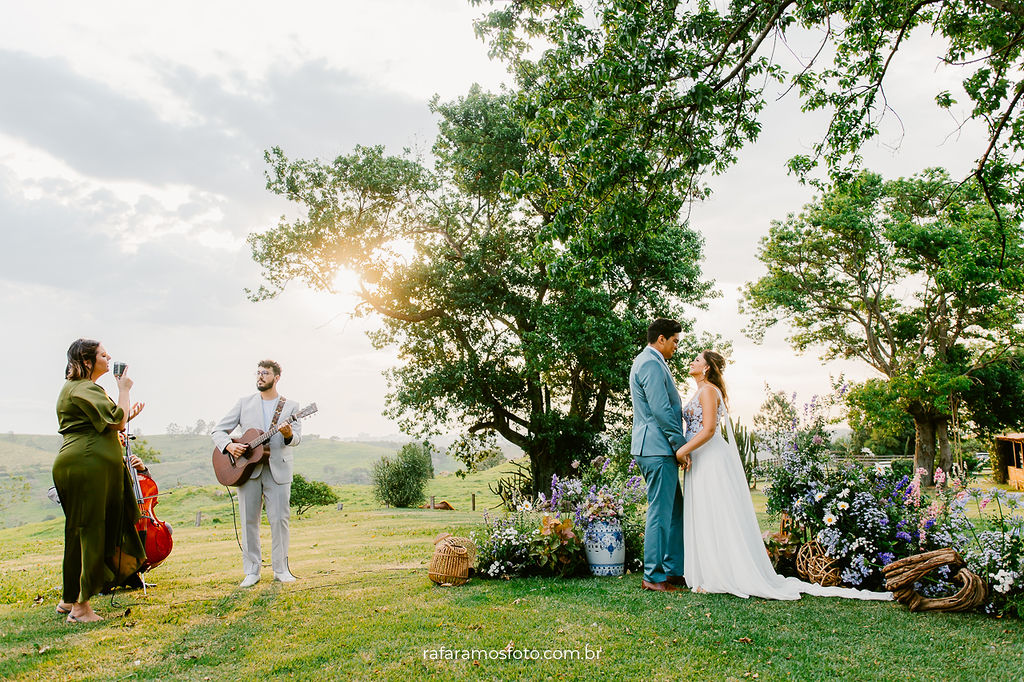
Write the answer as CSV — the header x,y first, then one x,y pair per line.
x,y
1005,6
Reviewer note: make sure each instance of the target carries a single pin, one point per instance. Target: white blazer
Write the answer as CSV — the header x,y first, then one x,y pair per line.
x,y
248,414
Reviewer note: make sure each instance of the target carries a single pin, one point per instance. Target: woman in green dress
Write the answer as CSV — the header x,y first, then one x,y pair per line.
x,y
101,545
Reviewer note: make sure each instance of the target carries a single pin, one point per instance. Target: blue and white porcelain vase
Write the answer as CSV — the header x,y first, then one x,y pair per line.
x,y
605,546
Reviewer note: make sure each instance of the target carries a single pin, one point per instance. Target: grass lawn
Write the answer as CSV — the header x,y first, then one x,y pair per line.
x,y
364,609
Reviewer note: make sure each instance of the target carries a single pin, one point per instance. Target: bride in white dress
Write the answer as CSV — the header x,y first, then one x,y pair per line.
x,y
724,552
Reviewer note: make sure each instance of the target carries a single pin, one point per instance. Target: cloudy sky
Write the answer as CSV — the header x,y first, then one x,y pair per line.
x,y
131,170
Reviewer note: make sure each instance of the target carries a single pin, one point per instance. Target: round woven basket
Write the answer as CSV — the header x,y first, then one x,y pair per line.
x,y
462,542
814,565
451,562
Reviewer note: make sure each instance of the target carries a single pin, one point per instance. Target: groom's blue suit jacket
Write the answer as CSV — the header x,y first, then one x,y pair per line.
x,y
657,412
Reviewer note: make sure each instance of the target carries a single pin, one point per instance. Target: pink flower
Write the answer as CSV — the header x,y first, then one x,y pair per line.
x,y
940,476
914,498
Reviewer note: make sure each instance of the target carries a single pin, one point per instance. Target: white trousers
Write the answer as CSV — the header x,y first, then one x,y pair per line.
x,y
251,496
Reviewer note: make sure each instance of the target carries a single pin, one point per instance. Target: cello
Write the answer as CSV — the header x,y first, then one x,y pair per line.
x,y
158,534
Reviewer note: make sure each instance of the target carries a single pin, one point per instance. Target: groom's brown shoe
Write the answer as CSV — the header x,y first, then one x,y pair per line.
x,y
657,587
676,580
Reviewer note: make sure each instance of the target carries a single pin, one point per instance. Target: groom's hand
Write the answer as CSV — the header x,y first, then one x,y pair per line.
x,y
683,459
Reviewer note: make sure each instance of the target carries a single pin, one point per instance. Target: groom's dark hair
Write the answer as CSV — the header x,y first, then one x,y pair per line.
x,y
663,327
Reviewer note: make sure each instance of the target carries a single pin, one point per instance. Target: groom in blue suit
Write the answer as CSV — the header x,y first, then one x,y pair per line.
x,y
657,436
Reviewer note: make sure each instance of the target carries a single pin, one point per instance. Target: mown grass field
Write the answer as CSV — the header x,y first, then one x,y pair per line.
x,y
364,609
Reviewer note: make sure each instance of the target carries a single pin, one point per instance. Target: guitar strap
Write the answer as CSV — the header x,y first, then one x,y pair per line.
x,y
277,412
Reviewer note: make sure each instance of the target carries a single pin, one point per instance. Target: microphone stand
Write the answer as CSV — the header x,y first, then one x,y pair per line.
x,y
133,475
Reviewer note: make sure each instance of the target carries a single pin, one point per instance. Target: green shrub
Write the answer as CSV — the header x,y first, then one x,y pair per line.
x,y
557,549
633,527
308,494
903,467
401,482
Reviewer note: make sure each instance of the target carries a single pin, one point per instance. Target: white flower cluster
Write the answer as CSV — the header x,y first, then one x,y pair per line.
x,y
1004,580
500,568
864,544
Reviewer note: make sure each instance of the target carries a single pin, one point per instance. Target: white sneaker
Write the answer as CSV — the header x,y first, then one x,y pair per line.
x,y
249,580
285,577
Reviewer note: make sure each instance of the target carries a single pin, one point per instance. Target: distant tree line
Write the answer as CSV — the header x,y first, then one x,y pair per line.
x,y
201,428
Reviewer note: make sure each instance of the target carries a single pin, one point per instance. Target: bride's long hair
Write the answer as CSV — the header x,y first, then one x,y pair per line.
x,y
716,364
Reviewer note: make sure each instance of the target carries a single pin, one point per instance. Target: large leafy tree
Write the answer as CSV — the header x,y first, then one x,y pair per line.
x,y
686,82
877,419
494,332
916,277
992,401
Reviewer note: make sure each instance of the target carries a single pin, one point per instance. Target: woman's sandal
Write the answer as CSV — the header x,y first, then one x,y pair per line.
x,y
73,619
63,612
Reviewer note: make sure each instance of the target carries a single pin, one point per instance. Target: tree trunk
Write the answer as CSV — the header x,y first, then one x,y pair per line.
x,y
542,468
945,452
924,446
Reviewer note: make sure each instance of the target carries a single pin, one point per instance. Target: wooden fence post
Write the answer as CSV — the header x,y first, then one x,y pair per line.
x,y
199,518
474,501
432,502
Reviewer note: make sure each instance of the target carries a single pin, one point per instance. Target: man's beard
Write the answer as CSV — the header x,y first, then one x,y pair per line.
x,y
260,386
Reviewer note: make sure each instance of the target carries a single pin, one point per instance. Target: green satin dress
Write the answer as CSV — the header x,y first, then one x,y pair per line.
x,y
101,546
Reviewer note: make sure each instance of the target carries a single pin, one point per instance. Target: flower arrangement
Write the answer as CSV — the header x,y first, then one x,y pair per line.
x,y
594,495
558,548
991,541
866,518
503,544
544,537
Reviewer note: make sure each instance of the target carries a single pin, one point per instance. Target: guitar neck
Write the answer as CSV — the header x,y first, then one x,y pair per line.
x,y
270,434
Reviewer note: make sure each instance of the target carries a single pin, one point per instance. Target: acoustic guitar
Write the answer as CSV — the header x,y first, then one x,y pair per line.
x,y
235,470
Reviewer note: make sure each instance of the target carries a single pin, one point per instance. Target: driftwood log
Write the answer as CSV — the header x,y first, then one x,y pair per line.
x,y
901,575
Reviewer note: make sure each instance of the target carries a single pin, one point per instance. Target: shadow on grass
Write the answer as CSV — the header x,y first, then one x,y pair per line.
x,y
223,634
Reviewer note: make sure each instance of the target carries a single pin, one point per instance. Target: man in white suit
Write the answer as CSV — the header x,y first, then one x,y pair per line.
x,y
258,411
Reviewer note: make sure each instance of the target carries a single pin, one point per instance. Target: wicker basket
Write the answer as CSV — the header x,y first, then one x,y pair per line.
x,y
452,560
462,542
814,565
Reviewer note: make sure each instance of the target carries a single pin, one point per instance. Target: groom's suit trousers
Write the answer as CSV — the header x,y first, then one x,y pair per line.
x,y
663,537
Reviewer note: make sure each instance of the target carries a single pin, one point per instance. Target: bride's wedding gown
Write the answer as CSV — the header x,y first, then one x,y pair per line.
x,y
724,551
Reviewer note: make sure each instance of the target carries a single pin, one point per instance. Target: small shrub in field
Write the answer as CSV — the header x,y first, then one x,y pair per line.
x,y
401,481
308,494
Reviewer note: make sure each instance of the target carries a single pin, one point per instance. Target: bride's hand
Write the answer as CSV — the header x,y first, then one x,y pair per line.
x,y
683,459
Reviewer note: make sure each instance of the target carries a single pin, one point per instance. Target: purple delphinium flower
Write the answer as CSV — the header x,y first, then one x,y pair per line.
x,y
903,535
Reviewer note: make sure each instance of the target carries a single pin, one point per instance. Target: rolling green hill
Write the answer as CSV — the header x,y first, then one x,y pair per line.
x,y
184,461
